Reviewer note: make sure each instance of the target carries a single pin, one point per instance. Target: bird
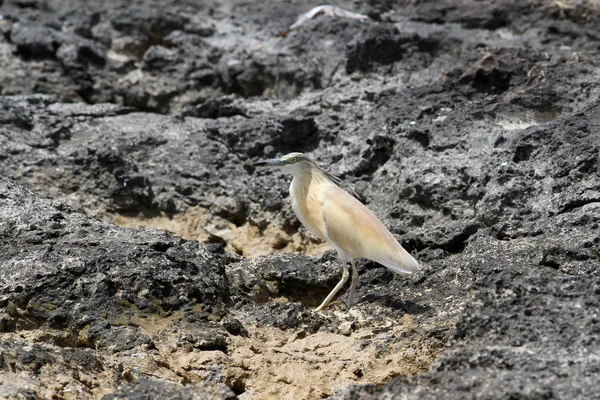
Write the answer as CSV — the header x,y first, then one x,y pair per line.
x,y
324,206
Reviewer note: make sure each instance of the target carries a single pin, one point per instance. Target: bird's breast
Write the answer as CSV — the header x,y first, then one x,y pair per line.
x,y
307,206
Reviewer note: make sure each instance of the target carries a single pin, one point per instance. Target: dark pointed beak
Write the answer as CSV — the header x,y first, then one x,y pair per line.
x,y
270,163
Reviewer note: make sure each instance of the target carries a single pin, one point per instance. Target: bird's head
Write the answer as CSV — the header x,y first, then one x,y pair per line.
x,y
293,162
301,166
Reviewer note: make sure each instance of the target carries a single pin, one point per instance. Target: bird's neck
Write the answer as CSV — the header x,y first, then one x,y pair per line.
x,y
301,178
309,177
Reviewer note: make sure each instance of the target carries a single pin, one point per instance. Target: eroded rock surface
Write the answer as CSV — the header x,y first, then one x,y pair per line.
x,y
472,129
89,306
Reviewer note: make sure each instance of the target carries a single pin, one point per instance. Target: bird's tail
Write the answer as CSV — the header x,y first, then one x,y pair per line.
x,y
403,263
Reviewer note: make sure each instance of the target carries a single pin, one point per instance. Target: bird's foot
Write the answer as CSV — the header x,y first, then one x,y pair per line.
x,y
328,305
350,300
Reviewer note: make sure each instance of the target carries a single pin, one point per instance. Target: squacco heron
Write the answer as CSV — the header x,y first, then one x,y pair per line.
x,y
334,215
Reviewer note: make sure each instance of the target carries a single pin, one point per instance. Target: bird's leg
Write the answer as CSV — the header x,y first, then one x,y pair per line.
x,y
350,301
337,287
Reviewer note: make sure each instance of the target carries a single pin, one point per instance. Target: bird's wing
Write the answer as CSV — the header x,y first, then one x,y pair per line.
x,y
355,229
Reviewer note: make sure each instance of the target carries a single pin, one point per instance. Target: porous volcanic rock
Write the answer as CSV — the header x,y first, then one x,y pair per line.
x,y
472,130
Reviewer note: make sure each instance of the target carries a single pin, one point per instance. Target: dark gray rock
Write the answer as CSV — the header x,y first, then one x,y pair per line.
x,y
381,44
146,389
70,271
206,340
79,56
234,327
287,316
471,129
251,137
528,327
20,357
36,41
295,277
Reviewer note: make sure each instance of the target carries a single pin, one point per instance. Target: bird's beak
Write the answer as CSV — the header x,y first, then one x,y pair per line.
x,y
270,163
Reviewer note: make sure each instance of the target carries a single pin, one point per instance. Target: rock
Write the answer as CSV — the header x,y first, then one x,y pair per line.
x,y
469,128
94,277
80,56
234,327
158,58
201,28
215,108
294,277
210,340
35,41
154,25
286,316
380,44
153,389
505,335
251,138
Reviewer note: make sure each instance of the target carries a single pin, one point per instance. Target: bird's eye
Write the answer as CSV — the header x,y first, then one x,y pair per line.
x,y
293,160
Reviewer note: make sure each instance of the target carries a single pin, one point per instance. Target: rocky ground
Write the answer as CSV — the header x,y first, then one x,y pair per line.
x,y
141,256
